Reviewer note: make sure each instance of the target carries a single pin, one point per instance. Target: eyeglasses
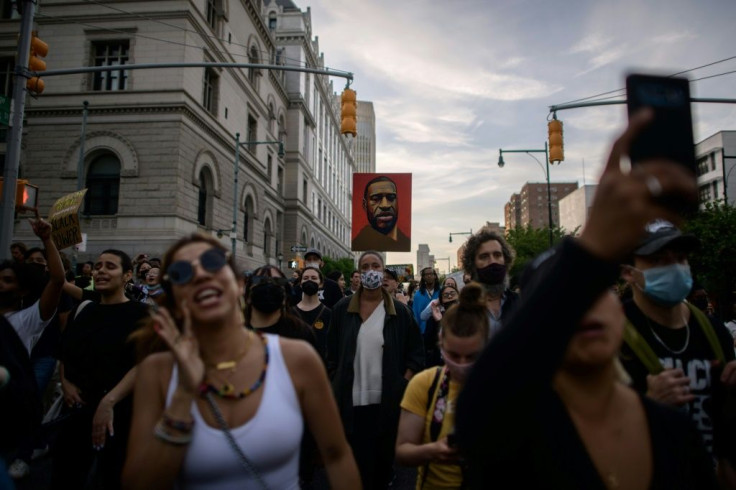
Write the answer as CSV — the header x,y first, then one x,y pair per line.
x,y
449,295
181,271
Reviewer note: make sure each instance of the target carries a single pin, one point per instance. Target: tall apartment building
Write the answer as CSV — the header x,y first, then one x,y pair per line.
x,y
716,160
424,259
160,145
529,206
574,209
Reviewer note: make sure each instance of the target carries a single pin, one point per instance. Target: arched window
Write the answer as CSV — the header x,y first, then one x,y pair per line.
x,y
253,58
267,237
271,117
304,238
103,185
204,201
248,220
272,21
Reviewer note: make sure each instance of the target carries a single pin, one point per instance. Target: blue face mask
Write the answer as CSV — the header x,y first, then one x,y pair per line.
x,y
668,285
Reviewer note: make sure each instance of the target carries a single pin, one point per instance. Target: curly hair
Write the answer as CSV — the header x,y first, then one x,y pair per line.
x,y
474,243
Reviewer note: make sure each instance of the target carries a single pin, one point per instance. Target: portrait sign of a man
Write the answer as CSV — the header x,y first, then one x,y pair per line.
x,y
381,212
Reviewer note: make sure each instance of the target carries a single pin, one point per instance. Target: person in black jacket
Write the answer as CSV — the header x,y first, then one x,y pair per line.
x,y
543,406
373,348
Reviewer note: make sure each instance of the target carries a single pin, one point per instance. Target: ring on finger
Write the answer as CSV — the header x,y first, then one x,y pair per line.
x,y
654,186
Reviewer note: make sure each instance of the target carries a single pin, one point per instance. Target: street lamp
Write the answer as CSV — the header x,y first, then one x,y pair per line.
x,y
280,257
501,163
461,233
233,232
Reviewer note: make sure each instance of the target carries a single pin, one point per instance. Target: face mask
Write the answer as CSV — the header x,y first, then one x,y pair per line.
x,y
371,279
458,372
668,285
492,274
311,264
310,288
267,298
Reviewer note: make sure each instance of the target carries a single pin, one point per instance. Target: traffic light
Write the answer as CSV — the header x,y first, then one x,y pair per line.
x,y
348,112
296,263
26,194
556,153
39,49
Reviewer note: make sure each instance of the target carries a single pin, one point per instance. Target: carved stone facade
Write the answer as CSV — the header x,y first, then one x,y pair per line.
x,y
160,145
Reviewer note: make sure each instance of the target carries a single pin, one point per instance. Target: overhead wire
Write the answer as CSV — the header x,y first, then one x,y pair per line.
x,y
671,75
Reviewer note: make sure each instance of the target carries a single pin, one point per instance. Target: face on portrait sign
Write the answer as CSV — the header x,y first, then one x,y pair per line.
x,y
381,212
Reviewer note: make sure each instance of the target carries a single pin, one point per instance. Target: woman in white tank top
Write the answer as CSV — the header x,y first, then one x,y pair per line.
x,y
225,407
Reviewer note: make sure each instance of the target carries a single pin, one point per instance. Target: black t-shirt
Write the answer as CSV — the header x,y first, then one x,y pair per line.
x,y
324,315
50,342
291,327
695,360
95,348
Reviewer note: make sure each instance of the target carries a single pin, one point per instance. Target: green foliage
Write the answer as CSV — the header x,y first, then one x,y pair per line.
x,y
529,242
346,265
714,265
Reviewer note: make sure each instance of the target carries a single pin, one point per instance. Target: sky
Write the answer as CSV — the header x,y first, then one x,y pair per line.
x,y
452,82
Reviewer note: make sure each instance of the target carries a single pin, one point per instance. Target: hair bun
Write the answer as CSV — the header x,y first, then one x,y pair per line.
x,y
472,297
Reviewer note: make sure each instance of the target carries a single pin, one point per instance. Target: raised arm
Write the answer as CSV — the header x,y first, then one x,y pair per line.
x,y
52,292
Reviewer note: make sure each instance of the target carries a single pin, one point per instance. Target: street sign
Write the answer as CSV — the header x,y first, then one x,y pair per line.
x,y
4,110
298,248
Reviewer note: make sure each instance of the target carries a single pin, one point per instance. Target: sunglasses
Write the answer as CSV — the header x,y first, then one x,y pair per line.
x,y
258,280
181,271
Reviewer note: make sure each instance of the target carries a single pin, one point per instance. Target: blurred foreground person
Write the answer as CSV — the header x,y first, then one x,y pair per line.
x,y
427,423
543,406
225,407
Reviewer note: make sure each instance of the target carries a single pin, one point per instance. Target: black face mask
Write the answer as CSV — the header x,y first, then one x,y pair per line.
x,y
267,298
310,288
492,274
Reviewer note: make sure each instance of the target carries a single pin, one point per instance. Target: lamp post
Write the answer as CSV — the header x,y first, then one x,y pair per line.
x,y
280,256
460,233
233,232
501,163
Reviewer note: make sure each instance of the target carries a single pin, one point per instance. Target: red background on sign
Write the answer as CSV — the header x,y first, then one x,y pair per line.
x,y
403,194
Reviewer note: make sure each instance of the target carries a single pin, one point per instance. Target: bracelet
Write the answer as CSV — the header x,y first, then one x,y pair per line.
x,y
164,436
178,425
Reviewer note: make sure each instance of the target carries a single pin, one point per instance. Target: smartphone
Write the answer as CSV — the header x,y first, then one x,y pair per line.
x,y
670,134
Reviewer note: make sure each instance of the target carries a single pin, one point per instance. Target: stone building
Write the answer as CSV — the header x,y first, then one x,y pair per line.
x,y
159,149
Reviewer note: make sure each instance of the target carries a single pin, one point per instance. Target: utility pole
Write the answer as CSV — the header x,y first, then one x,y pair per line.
x,y
12,157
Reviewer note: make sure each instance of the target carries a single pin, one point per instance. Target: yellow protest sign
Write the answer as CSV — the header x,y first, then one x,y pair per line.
x,y
64,219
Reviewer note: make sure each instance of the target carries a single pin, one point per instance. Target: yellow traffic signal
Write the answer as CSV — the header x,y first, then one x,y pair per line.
x,y
39,49
349,122
556,152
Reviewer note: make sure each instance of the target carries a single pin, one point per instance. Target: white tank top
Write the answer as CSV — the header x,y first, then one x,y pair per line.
x,y
271,439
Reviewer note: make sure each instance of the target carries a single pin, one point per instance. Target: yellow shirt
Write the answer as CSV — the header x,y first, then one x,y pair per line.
x,y
415,401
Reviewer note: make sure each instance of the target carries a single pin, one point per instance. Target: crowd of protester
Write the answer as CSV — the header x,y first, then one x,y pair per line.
x,y
187,372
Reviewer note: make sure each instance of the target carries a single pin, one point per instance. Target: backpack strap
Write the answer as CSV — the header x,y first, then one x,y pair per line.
x,y
430,402
641,349
708,330
81,306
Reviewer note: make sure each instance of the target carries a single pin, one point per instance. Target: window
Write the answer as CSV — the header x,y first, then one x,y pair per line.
x,y
269,169
212,13
111,53
282,130
267,238
7,10
248,221
280,182
252,133
103,185
272,21
209,94
204,201
271,117
253,58
304,191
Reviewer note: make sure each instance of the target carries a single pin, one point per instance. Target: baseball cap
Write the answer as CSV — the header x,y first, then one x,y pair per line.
x,y
313,251
661,234
391,273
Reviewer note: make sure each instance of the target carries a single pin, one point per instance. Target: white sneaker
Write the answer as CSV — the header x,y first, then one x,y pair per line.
x,y
19,469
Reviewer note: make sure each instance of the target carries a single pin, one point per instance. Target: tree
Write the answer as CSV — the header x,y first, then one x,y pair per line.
x,y
529,242
346,265
714,264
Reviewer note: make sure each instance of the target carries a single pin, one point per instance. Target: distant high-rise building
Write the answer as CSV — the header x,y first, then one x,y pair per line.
x,y
424,259
529,207
574,208
364,152
716,159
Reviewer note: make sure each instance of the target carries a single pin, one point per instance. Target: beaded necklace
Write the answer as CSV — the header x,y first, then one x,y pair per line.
x,y
228,391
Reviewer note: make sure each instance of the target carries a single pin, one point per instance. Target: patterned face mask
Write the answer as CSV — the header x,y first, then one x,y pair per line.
x,y
371,279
